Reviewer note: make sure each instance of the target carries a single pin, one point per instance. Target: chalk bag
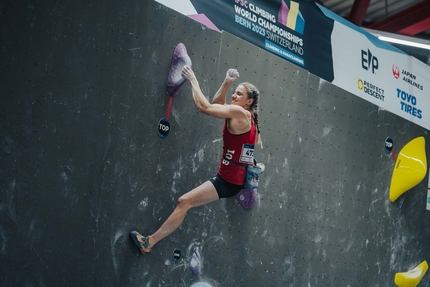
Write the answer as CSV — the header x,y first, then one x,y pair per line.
x,y
252,176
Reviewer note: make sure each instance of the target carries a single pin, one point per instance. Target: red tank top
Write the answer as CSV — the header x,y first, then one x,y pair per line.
x,y
238,152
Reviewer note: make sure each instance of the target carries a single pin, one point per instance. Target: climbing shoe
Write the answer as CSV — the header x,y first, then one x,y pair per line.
x,y
141,241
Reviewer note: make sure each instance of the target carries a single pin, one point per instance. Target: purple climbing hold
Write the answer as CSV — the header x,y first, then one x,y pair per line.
x,y
175,80
195,263
247,197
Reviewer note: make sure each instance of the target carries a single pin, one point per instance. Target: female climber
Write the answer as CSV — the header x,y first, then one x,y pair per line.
x,y
241,132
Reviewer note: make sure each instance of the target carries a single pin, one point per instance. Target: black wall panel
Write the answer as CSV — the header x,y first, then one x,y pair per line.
x,y
83,87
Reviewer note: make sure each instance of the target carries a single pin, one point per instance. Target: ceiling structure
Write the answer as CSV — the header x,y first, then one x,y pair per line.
x,y
402,17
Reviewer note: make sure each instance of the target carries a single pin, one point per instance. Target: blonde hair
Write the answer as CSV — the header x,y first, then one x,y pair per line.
x,y
254,93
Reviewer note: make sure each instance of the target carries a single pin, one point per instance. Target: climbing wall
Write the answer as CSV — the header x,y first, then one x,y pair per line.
x,y
83,87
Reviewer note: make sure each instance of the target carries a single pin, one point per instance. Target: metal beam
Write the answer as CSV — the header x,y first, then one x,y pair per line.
x,y
416,28
358,11
405,19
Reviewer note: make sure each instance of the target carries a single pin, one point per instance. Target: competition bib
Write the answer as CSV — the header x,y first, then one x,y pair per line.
x,y
247,154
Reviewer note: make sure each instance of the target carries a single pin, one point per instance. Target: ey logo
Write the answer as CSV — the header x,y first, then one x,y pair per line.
x,y
291,17
369,61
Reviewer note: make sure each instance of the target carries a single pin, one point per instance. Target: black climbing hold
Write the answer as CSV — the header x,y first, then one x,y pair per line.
x,y
388,144
163,128
176,254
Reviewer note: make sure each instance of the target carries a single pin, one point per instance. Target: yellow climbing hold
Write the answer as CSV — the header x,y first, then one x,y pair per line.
x,y
410,168
411,278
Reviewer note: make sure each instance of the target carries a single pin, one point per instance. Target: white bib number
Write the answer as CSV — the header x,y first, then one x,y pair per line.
x,y
247,154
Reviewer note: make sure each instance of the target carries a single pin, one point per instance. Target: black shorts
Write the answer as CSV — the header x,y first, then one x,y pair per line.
x,y
224,188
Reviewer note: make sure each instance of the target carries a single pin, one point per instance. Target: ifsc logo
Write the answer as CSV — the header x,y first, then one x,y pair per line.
x,y
368,61
291,17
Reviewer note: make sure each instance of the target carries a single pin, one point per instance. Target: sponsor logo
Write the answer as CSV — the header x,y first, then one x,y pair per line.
x,y
408,103
396,71
371,89
368,61
291,16
407,77
360,84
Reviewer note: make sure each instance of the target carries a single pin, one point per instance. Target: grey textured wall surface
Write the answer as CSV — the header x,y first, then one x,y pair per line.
x,y
83,86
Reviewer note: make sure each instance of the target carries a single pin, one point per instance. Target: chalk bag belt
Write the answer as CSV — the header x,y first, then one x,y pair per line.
x,y
239,164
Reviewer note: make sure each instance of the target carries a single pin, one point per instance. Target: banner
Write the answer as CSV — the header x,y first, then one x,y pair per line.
x,y
326,45
380,73
294,30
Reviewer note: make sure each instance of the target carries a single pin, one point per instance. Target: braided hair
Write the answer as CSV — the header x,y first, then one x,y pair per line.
x,y
254,93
